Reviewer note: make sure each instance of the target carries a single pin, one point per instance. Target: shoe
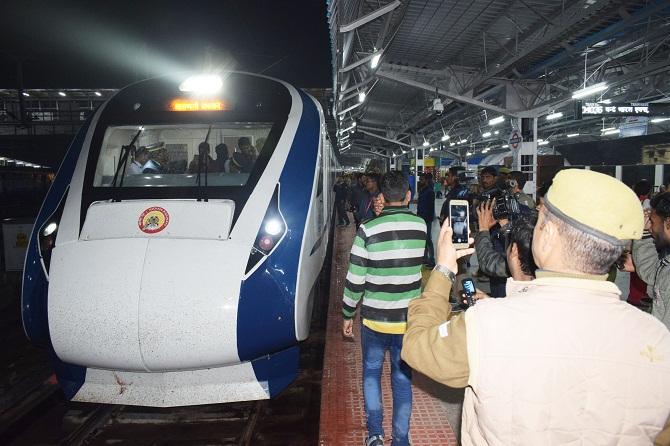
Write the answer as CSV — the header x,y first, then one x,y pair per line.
x,y
375,440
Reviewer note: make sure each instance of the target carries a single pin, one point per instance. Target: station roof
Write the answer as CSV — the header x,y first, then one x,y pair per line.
x,y
487,58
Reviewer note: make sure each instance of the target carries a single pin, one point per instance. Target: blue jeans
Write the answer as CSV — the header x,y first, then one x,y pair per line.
x,y
374,345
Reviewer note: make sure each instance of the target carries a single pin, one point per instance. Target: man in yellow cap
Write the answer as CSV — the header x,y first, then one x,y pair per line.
x,y
562,360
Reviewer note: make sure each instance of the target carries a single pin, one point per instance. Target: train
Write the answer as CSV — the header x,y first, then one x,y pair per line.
x,y
175,257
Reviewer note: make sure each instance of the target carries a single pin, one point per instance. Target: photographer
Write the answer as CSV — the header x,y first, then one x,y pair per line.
x,y
490,248
519,178
531,362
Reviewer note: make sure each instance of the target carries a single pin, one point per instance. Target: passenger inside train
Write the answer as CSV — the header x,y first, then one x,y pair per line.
x,y
169,154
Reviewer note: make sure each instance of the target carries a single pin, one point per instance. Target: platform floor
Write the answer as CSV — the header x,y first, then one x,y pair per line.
x,y
342,413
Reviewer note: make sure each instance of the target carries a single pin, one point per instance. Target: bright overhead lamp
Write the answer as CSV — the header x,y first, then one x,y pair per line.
x,y
62,93
498,120
655,120
605,101
588,91
486,134
374,62
572,135
611,132
361,96
607,129
452,144
445,137
354,124
496,132
97,93
25,94
540,140
462,141
505,146
554,116
425,143
485,150
202,84
542,143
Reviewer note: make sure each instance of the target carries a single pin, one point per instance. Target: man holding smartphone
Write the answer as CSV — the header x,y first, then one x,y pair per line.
x,y
564,359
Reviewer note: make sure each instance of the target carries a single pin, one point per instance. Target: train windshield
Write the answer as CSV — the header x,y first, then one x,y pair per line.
x,y
180,155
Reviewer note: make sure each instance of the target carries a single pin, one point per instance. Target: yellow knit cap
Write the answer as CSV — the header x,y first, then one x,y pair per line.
x,y
596,203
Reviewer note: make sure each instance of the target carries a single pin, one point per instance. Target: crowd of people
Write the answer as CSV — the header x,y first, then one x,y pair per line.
x,y
562,358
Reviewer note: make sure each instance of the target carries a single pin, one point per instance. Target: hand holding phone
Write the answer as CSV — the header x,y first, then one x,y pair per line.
x,y
469,291
459,219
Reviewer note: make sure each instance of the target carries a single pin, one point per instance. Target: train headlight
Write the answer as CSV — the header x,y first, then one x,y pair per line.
x,y
271,233
273,227
46,237
49,229
266,243
202,84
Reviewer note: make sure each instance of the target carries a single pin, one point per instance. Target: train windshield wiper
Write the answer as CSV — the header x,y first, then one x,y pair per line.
x,y
123,158
203,147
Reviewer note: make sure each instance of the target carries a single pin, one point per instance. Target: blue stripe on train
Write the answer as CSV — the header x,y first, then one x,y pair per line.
x,y
265,318
35,285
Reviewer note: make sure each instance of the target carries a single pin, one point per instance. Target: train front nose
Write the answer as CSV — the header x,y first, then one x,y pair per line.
x,y
137,301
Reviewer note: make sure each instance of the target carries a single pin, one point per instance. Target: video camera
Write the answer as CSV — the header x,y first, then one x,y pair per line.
x,y
505,204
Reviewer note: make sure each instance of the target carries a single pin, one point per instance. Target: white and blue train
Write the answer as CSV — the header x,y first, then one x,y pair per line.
x,y
174,258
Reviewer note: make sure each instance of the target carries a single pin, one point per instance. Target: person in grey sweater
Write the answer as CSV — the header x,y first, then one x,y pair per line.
x,y
651,256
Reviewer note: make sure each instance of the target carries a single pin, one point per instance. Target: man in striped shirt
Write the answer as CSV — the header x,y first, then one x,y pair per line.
x,y
385,271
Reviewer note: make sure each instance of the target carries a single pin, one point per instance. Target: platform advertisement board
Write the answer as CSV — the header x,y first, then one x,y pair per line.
x,y
15,236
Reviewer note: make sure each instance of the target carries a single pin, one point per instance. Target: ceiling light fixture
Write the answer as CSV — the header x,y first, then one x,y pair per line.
x,y
374,62
486,134
572,135
498,120
588,91
554,116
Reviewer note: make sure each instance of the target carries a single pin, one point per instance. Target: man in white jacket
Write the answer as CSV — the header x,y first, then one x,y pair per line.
x,y
562,360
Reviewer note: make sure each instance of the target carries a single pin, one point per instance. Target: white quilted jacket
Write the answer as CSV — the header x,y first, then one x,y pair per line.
x,y
565,361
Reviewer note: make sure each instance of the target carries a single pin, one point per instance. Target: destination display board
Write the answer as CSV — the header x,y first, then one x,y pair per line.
x,y
620,109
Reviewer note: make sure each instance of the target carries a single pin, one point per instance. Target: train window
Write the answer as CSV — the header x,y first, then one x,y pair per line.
x,y
174,155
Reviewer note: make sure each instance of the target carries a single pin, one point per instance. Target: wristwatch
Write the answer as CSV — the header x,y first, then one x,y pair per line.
x,y
447,272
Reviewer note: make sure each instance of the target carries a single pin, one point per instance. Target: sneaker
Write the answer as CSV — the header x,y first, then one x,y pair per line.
x,y
375,440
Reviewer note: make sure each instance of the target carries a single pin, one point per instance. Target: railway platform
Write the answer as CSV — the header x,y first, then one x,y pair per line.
x,y
342,421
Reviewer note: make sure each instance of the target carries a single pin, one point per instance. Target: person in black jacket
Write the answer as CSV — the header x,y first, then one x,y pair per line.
x,y
426,210
341,189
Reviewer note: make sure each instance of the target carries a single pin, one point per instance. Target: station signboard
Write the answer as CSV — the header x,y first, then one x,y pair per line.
x,y
515,139
620,109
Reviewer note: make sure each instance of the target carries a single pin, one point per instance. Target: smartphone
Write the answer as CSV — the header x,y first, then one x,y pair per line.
x,y
459,218
469,290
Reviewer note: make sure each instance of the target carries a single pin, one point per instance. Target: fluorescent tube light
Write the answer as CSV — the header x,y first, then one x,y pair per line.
x,y
554,116
498,120
591,90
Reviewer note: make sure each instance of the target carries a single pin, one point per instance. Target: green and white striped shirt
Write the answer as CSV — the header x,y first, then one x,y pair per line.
x,y
385,269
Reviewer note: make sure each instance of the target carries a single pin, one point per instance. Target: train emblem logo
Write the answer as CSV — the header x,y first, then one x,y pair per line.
x,y
153,220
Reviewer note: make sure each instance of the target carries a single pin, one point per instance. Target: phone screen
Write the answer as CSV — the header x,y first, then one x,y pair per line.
x,y
469,286
458,217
